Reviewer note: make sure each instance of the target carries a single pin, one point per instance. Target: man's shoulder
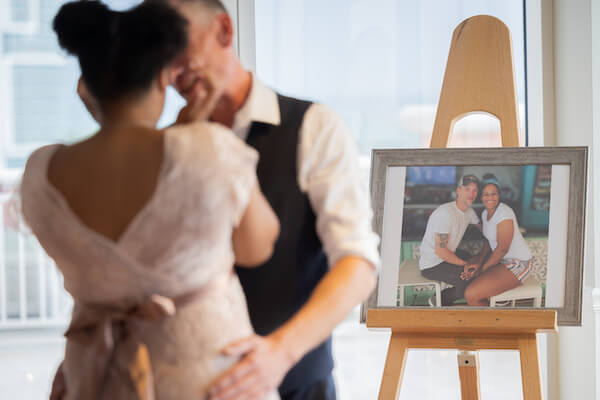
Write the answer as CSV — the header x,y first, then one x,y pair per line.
x,y
443,212
444,208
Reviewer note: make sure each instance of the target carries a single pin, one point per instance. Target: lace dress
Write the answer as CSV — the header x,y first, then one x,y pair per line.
x,y
177,250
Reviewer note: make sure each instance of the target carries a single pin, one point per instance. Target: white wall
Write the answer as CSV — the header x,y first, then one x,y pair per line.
x,y
574,116
595,33
595,16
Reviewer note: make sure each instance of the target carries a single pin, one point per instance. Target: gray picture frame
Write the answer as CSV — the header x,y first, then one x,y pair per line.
x,y
575,157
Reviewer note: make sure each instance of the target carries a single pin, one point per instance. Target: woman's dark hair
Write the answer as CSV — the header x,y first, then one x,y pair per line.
x,y
120,53
490,179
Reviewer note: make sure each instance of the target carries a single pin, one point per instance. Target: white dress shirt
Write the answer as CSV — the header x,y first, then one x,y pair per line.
x,y
328,171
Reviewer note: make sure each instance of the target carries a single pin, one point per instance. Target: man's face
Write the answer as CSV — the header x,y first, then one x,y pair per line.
x,y
467,194
203,63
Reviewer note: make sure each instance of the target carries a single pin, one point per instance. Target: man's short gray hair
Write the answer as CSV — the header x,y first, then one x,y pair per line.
x,y
216,5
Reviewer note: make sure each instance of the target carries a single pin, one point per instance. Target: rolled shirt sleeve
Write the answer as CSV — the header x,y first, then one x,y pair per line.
x,y
328,171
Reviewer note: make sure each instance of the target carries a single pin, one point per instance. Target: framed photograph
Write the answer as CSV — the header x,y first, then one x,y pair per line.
x,y
492,227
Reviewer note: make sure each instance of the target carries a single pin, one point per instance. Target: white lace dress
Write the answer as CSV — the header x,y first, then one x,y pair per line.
x,y
179,243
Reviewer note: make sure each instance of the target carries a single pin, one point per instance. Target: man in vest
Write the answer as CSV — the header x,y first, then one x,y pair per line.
x,y
325,259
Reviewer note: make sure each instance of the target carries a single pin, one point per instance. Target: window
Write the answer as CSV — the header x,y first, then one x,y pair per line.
x,y
21,16
381,65
378,63
38,105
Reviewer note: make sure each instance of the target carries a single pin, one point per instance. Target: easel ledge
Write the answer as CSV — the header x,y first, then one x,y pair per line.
x,y
463,321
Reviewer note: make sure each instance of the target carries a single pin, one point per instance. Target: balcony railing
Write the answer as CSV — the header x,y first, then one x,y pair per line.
x,y
31,288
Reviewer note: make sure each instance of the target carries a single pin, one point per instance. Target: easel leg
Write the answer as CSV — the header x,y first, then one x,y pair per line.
x,y
394,368
468,370
530,368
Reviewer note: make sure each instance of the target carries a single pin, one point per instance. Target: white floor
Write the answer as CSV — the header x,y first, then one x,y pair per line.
x,y
28,361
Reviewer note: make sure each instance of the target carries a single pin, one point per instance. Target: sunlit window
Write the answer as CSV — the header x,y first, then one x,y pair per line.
x,y
38,105
380,64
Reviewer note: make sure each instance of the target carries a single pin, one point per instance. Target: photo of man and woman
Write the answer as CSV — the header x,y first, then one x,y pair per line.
x,y
475,236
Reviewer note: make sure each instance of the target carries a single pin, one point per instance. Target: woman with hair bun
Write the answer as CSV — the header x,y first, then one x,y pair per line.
x,y
145,224
510,260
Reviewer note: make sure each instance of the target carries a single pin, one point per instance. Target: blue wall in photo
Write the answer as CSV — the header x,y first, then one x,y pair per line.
x,y
534,216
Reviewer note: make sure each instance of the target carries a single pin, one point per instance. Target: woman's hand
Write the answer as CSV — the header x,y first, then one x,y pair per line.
x,y
469,271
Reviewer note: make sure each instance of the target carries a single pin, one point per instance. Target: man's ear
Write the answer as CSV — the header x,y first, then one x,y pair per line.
x,y
225,29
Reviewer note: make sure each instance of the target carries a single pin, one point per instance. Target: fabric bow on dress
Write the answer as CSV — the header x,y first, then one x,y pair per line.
x,y
107,329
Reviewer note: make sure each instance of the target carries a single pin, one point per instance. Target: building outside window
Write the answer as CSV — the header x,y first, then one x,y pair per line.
x,y
38,105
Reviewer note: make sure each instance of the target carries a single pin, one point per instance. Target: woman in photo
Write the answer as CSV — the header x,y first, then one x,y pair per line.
x,y
145,224
510,259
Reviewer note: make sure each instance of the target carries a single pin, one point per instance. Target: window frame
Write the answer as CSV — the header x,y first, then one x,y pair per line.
x,y
28,27
10,146
539,72
539,112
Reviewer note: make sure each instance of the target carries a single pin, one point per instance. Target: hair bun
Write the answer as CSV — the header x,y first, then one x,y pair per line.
x,y
81,25
151,31
120,52
150,36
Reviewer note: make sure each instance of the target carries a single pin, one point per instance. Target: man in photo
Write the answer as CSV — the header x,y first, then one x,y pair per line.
x,y
439,260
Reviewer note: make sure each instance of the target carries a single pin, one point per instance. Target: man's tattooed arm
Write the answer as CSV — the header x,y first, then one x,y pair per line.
x,y
441,240
442,250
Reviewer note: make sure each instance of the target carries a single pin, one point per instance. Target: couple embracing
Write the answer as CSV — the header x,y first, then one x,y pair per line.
x,y
146,224
502,264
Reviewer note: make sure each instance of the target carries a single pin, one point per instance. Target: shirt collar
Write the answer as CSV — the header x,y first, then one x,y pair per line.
x,y
260,106
458,209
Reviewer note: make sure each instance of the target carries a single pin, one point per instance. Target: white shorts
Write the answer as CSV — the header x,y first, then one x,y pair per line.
x,y
519,268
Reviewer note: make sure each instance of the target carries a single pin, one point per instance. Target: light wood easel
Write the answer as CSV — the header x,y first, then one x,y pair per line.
x,y
479,78
465,330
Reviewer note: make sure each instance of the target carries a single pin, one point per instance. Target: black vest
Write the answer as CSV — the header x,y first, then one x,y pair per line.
x,y
276,290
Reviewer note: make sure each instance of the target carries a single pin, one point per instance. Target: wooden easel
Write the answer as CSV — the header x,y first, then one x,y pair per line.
x,y
479,77
466,330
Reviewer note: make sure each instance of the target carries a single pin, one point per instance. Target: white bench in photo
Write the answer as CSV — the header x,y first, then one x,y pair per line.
x,y
530,289
410,275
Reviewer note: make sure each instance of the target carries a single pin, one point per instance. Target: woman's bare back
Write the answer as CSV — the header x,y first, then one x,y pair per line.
x,y
109,178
